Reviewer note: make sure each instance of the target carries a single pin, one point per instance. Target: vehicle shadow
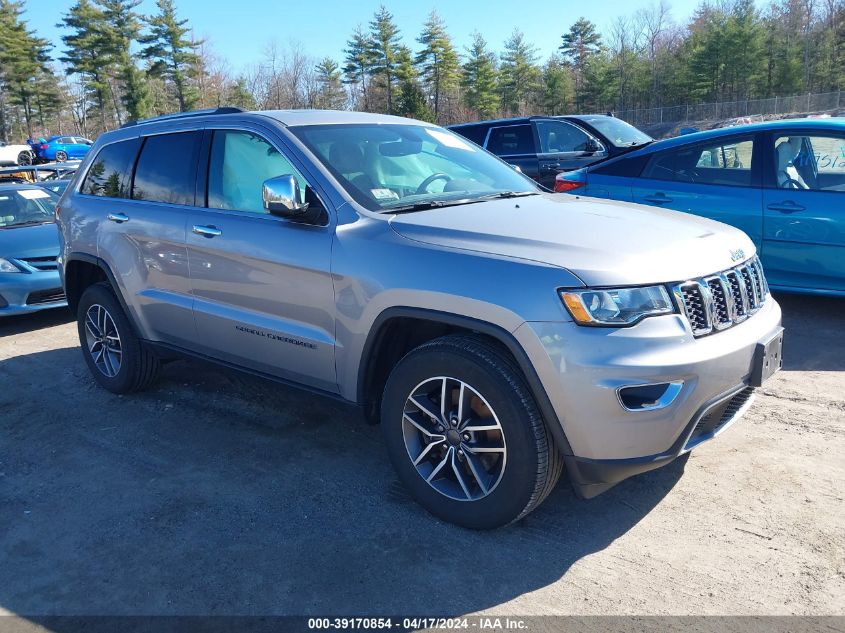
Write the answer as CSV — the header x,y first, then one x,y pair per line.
x,y
215,493
811,324
20,323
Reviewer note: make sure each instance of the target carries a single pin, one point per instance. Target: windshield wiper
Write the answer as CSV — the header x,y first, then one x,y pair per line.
x,y
28,223
509,194
439,204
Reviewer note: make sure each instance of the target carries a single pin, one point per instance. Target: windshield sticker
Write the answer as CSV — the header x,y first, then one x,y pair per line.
x,y
449,140
384,194
32,194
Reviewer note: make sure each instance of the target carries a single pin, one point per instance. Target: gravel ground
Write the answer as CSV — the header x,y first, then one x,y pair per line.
x,y
215,493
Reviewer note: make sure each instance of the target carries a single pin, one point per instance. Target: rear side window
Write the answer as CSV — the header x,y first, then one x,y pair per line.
x,y
166,170
511,140
110,175
726,163
627,167
475,133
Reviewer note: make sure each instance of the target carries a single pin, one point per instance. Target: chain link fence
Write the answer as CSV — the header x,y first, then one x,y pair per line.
x,y
819,102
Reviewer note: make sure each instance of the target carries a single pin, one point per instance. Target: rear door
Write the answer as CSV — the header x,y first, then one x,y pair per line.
x,y
804,210
262,285
141,233
564,147
517,145
718,179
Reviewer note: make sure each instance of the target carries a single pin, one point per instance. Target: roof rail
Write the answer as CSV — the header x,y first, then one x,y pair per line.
x,y
181,115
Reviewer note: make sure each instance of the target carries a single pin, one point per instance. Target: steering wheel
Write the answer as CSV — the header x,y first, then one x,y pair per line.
x,y
425,183
791,183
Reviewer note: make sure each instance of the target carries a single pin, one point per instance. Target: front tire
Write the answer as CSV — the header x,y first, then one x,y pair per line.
x,y
61,156
24,158
464,434
118,360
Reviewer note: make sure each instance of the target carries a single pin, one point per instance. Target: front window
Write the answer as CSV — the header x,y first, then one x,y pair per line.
x,y
810,162
557,137
617,131
726,163
391,167
25,207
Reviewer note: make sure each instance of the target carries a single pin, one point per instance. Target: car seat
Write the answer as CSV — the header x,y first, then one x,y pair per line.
x,y
787,151
348,158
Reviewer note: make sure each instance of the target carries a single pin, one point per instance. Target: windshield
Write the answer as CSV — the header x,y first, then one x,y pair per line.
x,y
618,132
22,207
392,167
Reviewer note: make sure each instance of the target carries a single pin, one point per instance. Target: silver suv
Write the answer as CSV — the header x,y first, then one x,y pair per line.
x,y
498,333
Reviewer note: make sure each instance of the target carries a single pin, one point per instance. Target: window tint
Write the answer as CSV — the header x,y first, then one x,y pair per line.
x,y
166,169
511,140
557,136
475,133
111,172
810,162
626,166
66,140
240,163
725,164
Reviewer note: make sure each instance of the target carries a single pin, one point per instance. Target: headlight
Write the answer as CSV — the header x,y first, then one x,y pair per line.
x,y
616,306
8,267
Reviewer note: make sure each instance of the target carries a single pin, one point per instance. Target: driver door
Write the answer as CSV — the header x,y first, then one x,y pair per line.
x,y
564,147
262,285
804,210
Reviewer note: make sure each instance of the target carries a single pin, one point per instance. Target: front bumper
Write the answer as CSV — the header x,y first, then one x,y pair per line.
x,y
582,370
23,292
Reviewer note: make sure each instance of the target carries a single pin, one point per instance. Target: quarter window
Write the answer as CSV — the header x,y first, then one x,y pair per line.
x,y
110,174
166,169
511,140
723,164
240,163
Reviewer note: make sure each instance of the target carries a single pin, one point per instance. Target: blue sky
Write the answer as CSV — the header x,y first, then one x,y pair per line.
x,y
238,31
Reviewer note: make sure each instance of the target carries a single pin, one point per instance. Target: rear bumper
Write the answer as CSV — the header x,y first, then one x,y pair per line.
x,y
21,293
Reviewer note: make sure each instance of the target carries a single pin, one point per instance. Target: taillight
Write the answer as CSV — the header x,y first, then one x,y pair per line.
x,y
43,146
562,186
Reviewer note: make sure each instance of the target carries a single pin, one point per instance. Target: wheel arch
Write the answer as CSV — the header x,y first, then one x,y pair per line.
x,y
81,270
412,326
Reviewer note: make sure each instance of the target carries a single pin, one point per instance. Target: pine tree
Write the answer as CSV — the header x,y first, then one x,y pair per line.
x,y
558,87
579,44
438,60
86,53
358,64
23,60
171,53
479,79
385,44
520,76
238,95
411,101
330,93
123,27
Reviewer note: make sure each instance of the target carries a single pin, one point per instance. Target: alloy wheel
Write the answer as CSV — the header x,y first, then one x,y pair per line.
x,y
454,438
103,340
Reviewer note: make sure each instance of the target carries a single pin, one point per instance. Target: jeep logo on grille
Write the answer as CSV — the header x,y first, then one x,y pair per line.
x,y
737,255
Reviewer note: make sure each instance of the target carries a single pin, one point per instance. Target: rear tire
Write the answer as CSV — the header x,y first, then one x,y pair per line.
x,y
118,360
486,478
61,156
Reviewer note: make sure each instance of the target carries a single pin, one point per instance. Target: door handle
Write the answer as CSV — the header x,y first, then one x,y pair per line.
x,y
786,207
658,198
551,166
120,218
207,231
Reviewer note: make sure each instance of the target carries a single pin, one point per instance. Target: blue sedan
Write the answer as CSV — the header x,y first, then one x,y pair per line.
x,y
782,182
29,246
62,148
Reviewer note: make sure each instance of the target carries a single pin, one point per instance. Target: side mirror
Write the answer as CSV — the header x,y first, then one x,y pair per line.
x,y
592,146
282,196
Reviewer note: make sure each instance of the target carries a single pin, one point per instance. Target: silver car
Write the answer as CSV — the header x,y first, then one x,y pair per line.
x,y
498,333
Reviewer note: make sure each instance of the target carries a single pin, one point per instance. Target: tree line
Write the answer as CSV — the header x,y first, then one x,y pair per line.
x,y
115,64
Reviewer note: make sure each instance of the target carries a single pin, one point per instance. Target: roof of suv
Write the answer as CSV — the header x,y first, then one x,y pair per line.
x,y
526,119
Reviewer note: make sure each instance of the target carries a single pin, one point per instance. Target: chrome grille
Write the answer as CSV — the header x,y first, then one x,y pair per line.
x,y
719,301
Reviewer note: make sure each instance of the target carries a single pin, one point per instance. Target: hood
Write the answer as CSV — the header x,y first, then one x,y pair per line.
x,y
603,242
40,240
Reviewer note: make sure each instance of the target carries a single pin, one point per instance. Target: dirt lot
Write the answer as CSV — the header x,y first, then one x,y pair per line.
x,y
218,494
